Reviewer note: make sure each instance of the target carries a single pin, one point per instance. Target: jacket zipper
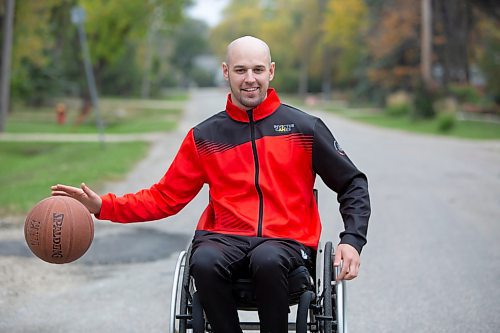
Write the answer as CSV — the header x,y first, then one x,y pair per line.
x,y
256,162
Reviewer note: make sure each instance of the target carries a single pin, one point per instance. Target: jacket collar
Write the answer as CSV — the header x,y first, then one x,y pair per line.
x,y
264,109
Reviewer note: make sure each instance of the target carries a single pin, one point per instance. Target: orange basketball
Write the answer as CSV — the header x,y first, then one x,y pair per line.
x,y
59,229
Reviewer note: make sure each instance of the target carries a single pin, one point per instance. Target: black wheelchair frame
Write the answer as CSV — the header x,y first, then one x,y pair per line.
x,y
320,300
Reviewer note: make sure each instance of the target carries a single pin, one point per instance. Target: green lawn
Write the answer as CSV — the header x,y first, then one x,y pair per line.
x,y
27,170
463,128
118,115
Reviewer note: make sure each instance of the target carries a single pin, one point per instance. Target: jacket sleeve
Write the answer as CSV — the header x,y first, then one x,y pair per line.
x,y
331,163
176,188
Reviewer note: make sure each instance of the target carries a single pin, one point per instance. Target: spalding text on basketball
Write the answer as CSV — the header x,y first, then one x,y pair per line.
x,y
57,222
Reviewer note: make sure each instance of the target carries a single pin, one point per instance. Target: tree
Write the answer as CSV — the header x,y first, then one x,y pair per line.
x,y
453,23
344,27
189,41
5,61
307,39
426,43
273,21
393,44
46,57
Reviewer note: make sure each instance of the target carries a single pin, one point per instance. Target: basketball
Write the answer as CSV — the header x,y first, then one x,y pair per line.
x,y
59,229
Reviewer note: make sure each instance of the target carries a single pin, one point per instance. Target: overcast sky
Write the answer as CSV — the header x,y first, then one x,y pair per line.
x,y
208,10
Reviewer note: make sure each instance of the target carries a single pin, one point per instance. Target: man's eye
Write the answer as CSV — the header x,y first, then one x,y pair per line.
x,y
240,71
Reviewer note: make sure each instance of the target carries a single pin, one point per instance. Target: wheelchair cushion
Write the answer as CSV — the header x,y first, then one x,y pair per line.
x,y
299,280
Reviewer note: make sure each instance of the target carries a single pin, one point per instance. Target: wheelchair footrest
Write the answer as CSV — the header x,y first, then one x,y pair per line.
x,y
184,316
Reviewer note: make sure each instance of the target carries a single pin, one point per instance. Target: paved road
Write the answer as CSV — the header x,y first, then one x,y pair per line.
x,y
432,263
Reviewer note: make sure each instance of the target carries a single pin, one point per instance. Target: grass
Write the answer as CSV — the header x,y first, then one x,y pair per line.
x,y
119,116
463,128
28,169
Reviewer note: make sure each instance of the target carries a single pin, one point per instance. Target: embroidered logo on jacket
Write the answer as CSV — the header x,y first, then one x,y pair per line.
x,y
338,148
286,128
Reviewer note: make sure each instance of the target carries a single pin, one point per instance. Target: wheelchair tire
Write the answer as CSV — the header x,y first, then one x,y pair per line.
x,y
302,311
185,293
327,288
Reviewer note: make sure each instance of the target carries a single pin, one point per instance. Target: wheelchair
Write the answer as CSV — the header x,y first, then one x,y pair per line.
x,y
320,300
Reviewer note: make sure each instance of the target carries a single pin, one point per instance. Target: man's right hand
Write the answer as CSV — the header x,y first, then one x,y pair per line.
x,y
84,194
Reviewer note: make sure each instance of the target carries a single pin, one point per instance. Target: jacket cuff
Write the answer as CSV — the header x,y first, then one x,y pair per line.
x,y
105,207
353,241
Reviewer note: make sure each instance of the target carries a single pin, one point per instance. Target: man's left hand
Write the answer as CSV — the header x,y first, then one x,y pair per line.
x,y
351,261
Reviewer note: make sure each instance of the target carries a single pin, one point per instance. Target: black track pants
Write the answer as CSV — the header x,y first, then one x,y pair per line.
x,y
217,258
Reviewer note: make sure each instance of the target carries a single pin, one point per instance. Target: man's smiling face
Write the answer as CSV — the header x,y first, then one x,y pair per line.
x,y
248,69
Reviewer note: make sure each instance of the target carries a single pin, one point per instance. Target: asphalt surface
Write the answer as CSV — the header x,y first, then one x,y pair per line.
x,y
432,262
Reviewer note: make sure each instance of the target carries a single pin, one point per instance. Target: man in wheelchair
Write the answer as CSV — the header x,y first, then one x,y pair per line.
x,y
259,158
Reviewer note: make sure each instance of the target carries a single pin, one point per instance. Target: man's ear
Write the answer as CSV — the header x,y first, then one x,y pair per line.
x,y
271,71
225,71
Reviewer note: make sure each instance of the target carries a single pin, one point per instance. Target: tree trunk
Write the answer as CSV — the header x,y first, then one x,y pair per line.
x,y
426,40
6,62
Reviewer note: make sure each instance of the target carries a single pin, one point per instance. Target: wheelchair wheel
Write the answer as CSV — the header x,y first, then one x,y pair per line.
x,y
176,290
327,289
186,291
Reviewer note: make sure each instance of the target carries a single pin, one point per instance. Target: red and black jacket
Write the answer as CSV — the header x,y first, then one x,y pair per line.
x,y
260,166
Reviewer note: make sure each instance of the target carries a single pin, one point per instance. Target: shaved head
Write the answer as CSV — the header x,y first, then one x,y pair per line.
x,y
245,44
249,70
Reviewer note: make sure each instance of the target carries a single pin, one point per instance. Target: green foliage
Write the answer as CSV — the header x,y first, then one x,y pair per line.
x,y
465,93
202,77
489,57
461,129
398,104
424,102
39,59
190,41
47,55
398,110
446,121
28,169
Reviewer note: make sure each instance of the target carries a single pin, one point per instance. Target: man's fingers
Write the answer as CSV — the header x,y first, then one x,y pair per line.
x,y
353,271
88,191
338,259
70,190
60,193
343,272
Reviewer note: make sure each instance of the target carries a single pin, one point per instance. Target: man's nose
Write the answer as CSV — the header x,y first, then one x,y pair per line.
x,y
249,77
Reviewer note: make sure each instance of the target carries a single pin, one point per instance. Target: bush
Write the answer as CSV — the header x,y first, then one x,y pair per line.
x,y
398,104
446,121
424,102
398,110
465,94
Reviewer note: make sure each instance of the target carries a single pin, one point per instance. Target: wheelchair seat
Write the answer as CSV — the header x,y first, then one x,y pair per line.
x,y
299,281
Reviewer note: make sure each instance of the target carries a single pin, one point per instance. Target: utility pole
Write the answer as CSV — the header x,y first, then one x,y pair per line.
x,y
78,17
6,62
426,47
